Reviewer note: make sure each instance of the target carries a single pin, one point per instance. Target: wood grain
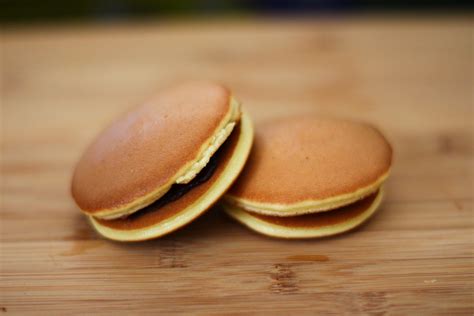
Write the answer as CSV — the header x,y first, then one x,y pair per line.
x,y
411,77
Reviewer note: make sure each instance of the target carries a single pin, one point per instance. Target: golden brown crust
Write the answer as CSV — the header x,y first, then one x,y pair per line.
x,y
309,159
309,226
315,220
152,216
147,146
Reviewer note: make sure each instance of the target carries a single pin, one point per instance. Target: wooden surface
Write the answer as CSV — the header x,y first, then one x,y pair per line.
x,y
412,77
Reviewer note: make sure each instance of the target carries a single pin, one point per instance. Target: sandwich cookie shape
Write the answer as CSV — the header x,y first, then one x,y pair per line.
x,y
189,137
308,165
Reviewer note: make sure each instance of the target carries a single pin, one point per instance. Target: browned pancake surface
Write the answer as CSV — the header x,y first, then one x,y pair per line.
x,y
315,220
152,216
147,146
309,158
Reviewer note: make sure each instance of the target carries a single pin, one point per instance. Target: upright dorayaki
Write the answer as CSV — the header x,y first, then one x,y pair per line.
x,y
164,163
310,177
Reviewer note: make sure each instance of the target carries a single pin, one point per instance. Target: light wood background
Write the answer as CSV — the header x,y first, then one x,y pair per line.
x,y
413,77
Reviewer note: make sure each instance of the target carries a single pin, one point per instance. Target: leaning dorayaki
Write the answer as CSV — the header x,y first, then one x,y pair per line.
x,y
164,163
310,177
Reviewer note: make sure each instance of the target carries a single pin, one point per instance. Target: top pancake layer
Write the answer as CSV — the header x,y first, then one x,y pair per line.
x,y
310,159
149,146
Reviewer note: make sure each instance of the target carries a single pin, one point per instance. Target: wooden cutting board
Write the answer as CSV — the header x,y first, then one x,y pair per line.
x,y
411,77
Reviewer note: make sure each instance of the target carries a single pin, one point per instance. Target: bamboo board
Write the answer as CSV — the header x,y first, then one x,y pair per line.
x,y
411,77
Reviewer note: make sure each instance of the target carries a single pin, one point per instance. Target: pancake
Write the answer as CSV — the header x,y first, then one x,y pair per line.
x,y
161,218
309,225
302,165
167,140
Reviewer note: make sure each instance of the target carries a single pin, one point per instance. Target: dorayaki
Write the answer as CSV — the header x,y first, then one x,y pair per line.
x,y
163,163
309,176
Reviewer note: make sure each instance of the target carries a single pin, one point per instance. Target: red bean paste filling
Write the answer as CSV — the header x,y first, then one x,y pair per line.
x,y
178,190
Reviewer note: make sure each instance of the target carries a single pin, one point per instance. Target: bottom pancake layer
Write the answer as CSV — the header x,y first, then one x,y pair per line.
x,y
159,219
310,225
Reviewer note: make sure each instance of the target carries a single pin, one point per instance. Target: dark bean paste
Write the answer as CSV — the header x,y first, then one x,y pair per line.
x,y
178,190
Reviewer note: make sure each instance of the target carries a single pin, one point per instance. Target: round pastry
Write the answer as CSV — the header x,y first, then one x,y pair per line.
x,y
310,177
164,163
302,165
